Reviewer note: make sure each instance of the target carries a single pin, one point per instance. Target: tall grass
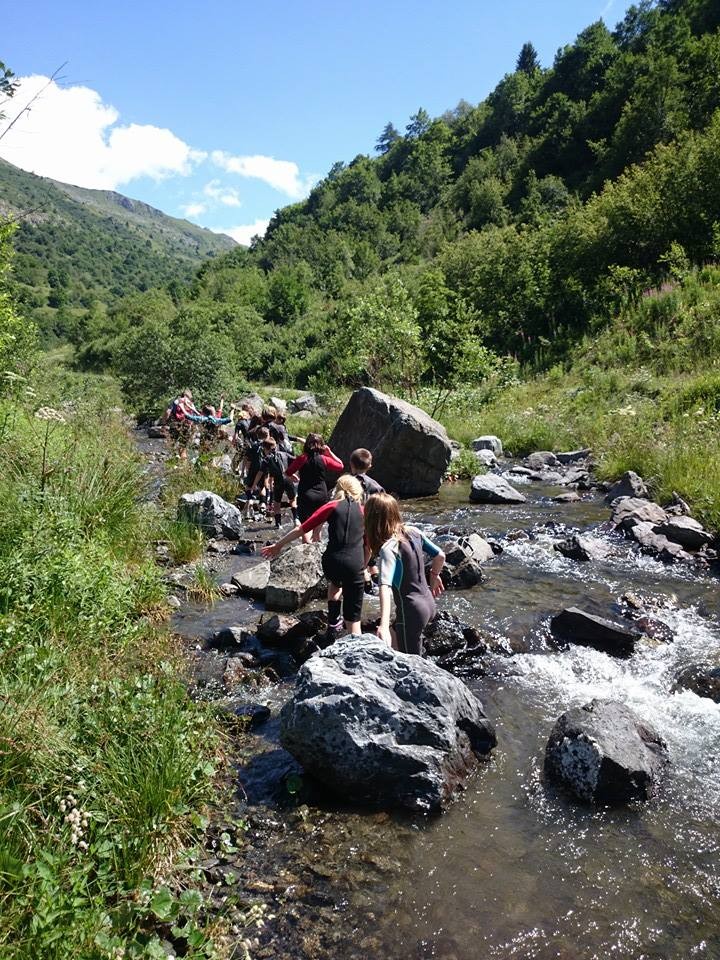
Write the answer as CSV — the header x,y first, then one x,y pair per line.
x,y
104,761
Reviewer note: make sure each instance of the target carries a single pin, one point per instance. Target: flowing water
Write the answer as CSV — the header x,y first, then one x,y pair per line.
x,y
514,869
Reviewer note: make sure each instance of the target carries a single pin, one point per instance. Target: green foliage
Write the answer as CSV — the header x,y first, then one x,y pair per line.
x,y
105,761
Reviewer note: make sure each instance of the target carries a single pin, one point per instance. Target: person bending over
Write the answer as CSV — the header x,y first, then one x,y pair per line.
x,y
344,559
312,468
402,550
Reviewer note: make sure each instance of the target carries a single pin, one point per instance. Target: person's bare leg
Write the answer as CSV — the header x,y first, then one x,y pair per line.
x,y
353,627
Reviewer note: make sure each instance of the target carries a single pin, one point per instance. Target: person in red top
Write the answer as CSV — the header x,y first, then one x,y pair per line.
x,y
312,468
344,559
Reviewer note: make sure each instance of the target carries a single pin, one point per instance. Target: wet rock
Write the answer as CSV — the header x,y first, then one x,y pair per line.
x,y
685,531
296,577
157,432
273,629
411,451
654,543
655,629
228,589
472,547
702,678
516,536
521,471
577,626
550,477
229,639
375,724
253,714
603,752
628,511
467,574
629,485
252,582
578,477
488,488
574,456
174,602
215,516
569,497
541,459
488,442
582,548
487,458
305,404
678,507
236,670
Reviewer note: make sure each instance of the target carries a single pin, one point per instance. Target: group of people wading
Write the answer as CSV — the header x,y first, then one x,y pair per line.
x,y
367,539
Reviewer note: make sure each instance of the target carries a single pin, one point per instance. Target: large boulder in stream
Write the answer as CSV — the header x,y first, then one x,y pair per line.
x,y
629,511
684,531
375,724
296,577
215,516
490,488
602,752
464,557
584,549
411,451
578,626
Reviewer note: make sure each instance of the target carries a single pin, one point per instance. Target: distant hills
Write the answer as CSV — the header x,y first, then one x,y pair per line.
x,y
81,250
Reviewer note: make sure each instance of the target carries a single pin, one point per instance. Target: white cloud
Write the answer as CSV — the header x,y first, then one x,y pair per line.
x,y
193,209
69,134
245,232
228,196
282,175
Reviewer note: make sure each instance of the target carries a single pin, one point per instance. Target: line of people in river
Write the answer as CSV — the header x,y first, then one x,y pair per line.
x,y
367,539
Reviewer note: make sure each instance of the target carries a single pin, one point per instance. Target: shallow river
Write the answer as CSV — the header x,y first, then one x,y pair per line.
x,y
513,869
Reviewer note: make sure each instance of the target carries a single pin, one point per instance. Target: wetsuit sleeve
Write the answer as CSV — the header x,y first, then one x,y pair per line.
x,y
296,464
321,515
430,548
387,565
332,462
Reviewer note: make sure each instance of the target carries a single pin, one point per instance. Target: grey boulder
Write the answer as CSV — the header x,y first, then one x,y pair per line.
x,y
296,577
629,485
215,516
582,548
685,531
304,404
602,752
489,488
252,581
578,626
411,451
573,456
541,459
487,458
489,442
628,511
457,549
374,724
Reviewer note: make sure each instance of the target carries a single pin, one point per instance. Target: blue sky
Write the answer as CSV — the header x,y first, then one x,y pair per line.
x,y
225,110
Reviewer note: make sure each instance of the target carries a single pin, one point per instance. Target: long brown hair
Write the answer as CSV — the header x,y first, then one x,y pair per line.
x,y
382,520
313,443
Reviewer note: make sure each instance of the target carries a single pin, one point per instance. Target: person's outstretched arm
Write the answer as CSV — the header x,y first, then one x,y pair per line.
x,y
331,461
321,515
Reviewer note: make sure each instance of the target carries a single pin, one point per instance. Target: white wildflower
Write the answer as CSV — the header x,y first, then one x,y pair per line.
x,y
49,413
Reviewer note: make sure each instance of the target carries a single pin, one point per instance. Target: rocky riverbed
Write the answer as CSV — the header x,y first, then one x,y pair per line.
x,y
516,867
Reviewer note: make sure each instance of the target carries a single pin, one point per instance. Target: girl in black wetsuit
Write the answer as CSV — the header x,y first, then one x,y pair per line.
x,y
312,468
344,560
402,550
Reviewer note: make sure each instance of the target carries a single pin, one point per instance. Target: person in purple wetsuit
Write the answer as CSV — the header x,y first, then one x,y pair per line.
x,y
402,550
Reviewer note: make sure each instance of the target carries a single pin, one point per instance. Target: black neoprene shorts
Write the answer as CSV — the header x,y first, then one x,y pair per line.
x,y
352,582
284,486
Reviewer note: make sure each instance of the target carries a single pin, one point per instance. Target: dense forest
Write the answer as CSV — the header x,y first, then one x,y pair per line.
x,y
80,251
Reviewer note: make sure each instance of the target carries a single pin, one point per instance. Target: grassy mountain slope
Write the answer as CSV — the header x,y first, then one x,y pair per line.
x,y
81,250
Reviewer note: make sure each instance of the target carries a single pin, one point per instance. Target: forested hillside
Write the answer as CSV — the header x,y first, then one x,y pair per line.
x,y
79,251
499,233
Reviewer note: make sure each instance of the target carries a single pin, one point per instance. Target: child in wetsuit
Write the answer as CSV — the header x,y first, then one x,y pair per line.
x,y
360,462
312,468
344,559
273,467
402,550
